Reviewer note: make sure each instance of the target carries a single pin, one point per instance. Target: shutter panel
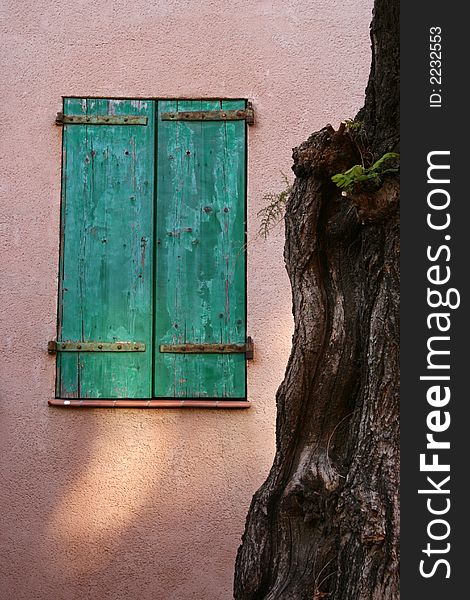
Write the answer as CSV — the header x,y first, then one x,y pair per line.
x,y
106,270
200,270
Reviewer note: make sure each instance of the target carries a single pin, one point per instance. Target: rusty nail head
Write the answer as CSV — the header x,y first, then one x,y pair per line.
x,y
119,346
63,346
79,346
100,346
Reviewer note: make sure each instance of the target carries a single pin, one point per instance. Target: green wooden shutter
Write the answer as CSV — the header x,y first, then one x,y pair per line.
x,y
106,265
200,253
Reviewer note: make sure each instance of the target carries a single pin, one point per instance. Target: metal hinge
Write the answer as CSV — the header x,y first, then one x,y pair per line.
x,y
54,346
247,348
62,119
247,114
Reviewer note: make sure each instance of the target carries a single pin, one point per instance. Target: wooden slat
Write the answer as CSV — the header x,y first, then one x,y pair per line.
x,y
200,289
106,256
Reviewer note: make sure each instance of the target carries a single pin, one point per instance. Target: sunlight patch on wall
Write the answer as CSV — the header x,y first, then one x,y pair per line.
x,y
107,495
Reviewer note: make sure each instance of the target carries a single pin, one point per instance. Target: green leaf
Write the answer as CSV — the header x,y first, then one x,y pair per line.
x,y
357,173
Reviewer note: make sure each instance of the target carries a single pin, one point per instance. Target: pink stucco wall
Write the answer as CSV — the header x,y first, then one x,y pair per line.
x,y
146,504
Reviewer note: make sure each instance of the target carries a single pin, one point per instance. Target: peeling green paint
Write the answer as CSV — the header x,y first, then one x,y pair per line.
x,y
200,286
106,258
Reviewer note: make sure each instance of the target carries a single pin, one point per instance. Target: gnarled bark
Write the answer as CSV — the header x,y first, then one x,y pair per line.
x,y
325,522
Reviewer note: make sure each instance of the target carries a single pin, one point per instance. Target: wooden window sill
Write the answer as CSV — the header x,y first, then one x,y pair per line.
x,y
150,403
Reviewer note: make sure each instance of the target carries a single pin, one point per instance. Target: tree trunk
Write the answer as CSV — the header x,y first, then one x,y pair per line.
x,y
325,524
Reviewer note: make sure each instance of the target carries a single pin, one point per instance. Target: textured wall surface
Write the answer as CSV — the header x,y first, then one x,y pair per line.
x,y
135,504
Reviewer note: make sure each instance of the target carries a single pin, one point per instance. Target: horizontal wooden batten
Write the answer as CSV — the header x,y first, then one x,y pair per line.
x,y
224,404
62,119
246,114
53,347
246,348
203,348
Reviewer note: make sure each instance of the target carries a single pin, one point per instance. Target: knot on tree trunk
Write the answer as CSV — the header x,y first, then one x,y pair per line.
x,y
325,153
311,488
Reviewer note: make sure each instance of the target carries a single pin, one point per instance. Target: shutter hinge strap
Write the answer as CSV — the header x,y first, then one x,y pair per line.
x,y
247,114
62,119
247,348
54,346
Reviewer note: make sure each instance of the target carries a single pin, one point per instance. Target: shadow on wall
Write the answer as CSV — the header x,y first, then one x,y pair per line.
x,y
133,515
